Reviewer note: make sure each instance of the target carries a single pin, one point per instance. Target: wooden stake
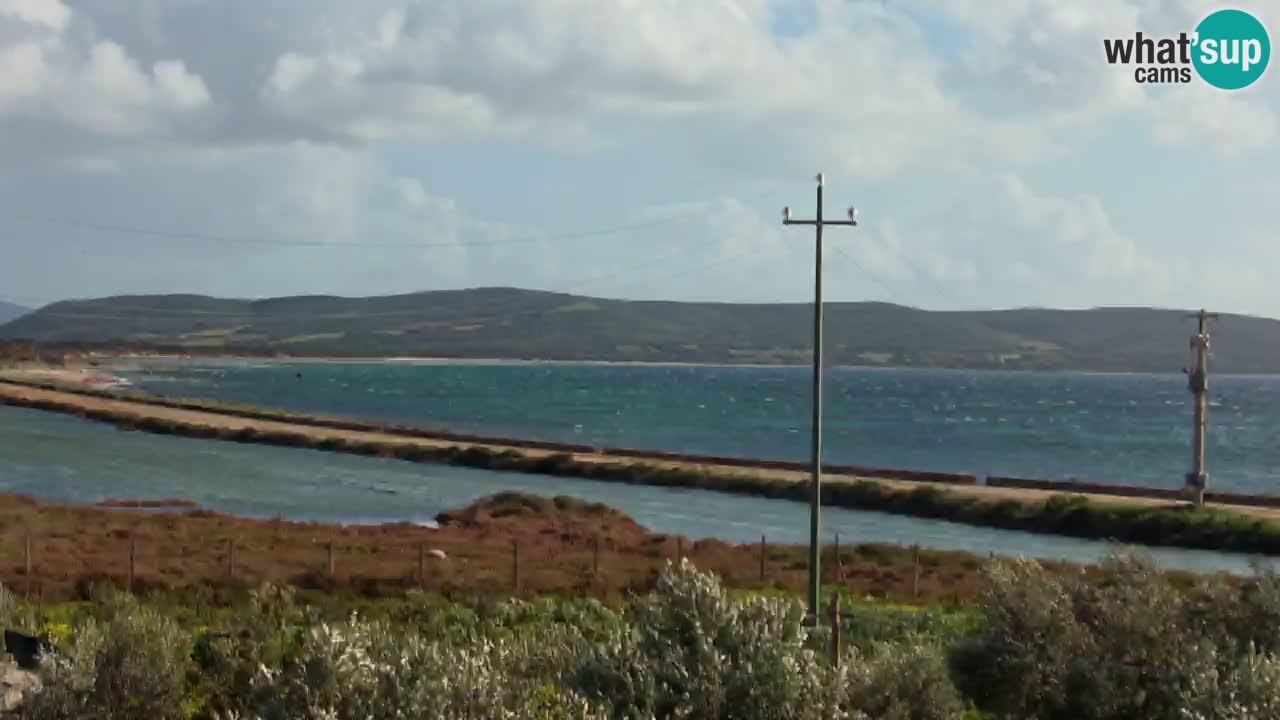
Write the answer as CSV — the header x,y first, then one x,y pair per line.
x,y
422,566
231,558
26,553
915,571
679,549
835,630
515,566
595,558
762,555
839,561
132,557
331,563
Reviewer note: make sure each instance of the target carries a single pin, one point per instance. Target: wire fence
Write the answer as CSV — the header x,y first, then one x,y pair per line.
x,y
387,560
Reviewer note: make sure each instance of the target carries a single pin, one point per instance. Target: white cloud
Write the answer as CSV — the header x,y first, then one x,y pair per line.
x,y
862,88
1078,233
1042,61
52,14
1230,124
180,88
262,120
89,83
23,74
108,92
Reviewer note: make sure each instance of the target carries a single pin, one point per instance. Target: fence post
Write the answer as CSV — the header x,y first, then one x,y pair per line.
x,y
332,574
679,548
595,558
422,566
231,558
132,557
839,562
762,554
26,554
915,571
835,630
515,566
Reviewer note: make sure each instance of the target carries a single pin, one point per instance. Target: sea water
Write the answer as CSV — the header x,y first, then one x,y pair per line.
x,y
1119,428
60,457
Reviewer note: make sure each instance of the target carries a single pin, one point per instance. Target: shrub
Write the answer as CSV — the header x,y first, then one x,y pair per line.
x,y
360,670
907,681
1248,691
692,652
1127,645
1121,642
132,665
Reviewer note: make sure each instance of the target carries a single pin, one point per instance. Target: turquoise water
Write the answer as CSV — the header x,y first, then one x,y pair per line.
x,y
59,457
1131,429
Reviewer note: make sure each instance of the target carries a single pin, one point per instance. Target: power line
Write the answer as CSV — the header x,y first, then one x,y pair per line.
x,y
123,312
124,229
517,303
25,300
868,274
634,275
711,264
937,286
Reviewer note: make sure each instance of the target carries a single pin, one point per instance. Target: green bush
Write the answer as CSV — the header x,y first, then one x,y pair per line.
x,y
1120,641
132,665
1126,645
902,681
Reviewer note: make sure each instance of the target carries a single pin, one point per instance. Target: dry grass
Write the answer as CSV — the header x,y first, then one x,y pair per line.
x,y
76,550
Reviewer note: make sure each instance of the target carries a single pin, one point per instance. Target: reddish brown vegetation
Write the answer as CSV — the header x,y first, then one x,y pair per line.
x,y
75,548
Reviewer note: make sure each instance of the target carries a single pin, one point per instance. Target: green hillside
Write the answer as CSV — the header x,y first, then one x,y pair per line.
x,y
523,324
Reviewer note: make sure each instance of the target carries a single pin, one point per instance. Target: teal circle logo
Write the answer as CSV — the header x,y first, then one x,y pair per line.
x,y
1232,49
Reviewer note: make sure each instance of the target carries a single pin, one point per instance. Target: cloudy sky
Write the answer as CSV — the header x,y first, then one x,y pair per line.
x,y
628,148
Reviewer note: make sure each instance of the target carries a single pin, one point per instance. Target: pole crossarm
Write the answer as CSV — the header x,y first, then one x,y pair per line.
x,y
815,497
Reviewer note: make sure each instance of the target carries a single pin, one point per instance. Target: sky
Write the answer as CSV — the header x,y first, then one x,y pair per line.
x,y
636,149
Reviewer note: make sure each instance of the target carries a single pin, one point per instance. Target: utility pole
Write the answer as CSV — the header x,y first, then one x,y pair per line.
x,y
815,500
1198,383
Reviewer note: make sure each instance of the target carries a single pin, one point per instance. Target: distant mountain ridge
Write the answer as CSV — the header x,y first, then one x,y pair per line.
x,y
9,311
511,323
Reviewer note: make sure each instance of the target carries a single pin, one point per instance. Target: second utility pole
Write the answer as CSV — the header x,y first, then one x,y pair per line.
x,y
815,500
1198,383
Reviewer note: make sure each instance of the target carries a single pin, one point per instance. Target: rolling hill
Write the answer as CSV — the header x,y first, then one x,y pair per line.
x,y
9,311
524,324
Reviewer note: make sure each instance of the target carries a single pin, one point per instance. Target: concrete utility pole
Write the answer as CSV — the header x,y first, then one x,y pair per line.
x,y
1198,383
815,501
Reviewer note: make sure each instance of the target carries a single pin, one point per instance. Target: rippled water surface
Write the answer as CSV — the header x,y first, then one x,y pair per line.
x,y
1105,428
64,458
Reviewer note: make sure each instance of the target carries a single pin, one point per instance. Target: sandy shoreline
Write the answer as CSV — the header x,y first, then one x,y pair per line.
x,y
209,418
